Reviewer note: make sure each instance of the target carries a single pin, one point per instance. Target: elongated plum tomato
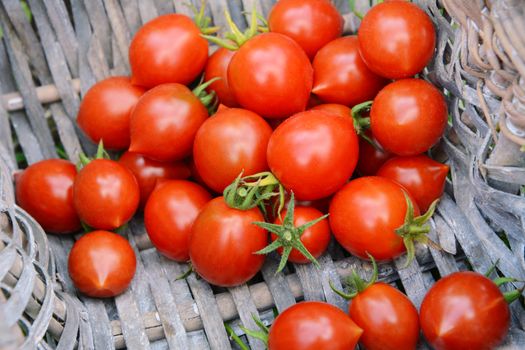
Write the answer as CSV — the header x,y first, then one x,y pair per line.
x,y
149,172
311,23
408,116
396,39
341,76
364,215
234,140
271,75
105,111
313,325
388,318
217,67
105,194
334,108
223,241
371,158
422,176
45,191
313,153
165,121
167,49
314,238
464,310
102,264
169,216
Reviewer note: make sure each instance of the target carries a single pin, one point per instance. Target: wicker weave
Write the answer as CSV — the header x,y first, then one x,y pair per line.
x,y
480,62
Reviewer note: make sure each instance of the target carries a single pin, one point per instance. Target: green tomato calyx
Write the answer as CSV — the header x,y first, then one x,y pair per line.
x,y
356,283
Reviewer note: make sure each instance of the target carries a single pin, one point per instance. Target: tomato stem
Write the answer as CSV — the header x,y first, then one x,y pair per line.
x,y
201,20
235,337
261,334
356,283
513,295
251,191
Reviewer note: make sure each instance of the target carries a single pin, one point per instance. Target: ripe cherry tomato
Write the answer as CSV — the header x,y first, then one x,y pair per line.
x,y
105,194
388,318
105,111
423,177
396,39
311,23
167,49
234,140
271,75
313,153
169,216
223,241
313,325
314,238
165,121
341,76
364,215
464,310
371,158
335,108
45,191
149,172
217,66
408,116
102,264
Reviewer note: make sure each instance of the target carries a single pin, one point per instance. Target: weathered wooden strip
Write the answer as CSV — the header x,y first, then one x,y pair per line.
x,y
247,310
278,285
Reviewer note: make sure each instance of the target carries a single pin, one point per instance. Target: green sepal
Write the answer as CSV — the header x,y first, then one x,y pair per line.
x,y
235,337
261,334
248,192
201,20
208,99
356,283
84,160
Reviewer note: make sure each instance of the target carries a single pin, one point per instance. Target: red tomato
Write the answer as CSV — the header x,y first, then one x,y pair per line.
x,y
167,49
313,153
396,39
45,191
271,75
105,111
341,76
217,66
165,121
464,310
364,215
334,108
408,116
388,318
105,194
423,177
169,216
313,325
232,141
371,158
315,238
223,241
102,264
311,23
149,172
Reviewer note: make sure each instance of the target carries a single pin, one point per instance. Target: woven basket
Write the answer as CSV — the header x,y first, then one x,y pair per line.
x,y
46,65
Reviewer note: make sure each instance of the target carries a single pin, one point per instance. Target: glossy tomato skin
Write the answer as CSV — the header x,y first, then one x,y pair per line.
x,y
334,108
313,153
102,264
464,310
315,238
313,325
310,23
45,191
169,215
422,176
165,121
217,67
371,158
232,141
396,39
149,172
364,215
388,318
408,116
167,49
105,111
105,194
271,75
223,241
341,76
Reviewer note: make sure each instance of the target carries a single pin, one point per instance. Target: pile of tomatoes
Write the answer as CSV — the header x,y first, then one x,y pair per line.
x,y
288,133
